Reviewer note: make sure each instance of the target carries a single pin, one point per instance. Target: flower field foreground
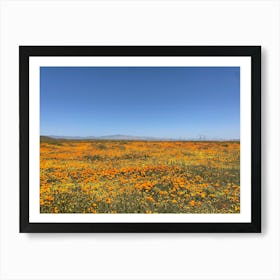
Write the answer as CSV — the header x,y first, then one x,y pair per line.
x,y
139,176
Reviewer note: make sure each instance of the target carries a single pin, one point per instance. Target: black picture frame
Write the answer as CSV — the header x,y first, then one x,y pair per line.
x,y
254,52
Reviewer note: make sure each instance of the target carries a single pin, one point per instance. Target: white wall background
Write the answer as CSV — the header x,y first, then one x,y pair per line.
x,y
139,256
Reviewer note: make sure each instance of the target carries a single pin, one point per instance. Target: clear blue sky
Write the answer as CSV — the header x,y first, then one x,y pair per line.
x,y
168,102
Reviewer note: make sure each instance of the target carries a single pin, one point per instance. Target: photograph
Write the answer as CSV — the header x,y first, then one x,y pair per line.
x,y
139,140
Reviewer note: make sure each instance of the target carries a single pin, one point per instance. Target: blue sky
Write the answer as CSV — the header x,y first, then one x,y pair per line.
x,y
172,102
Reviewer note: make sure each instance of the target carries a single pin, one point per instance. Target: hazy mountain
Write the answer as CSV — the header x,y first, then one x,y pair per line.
x,y
127,137
106,137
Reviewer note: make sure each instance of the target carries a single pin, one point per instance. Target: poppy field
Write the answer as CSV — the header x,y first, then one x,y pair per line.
x,y
118,176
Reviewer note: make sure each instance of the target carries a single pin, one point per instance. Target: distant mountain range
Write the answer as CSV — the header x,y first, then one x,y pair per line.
x,y
129,137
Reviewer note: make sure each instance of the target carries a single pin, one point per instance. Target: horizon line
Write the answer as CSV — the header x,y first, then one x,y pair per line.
x,y
133,137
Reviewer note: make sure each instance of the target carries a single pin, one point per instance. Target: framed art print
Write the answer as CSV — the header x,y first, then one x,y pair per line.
x,y
140,138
